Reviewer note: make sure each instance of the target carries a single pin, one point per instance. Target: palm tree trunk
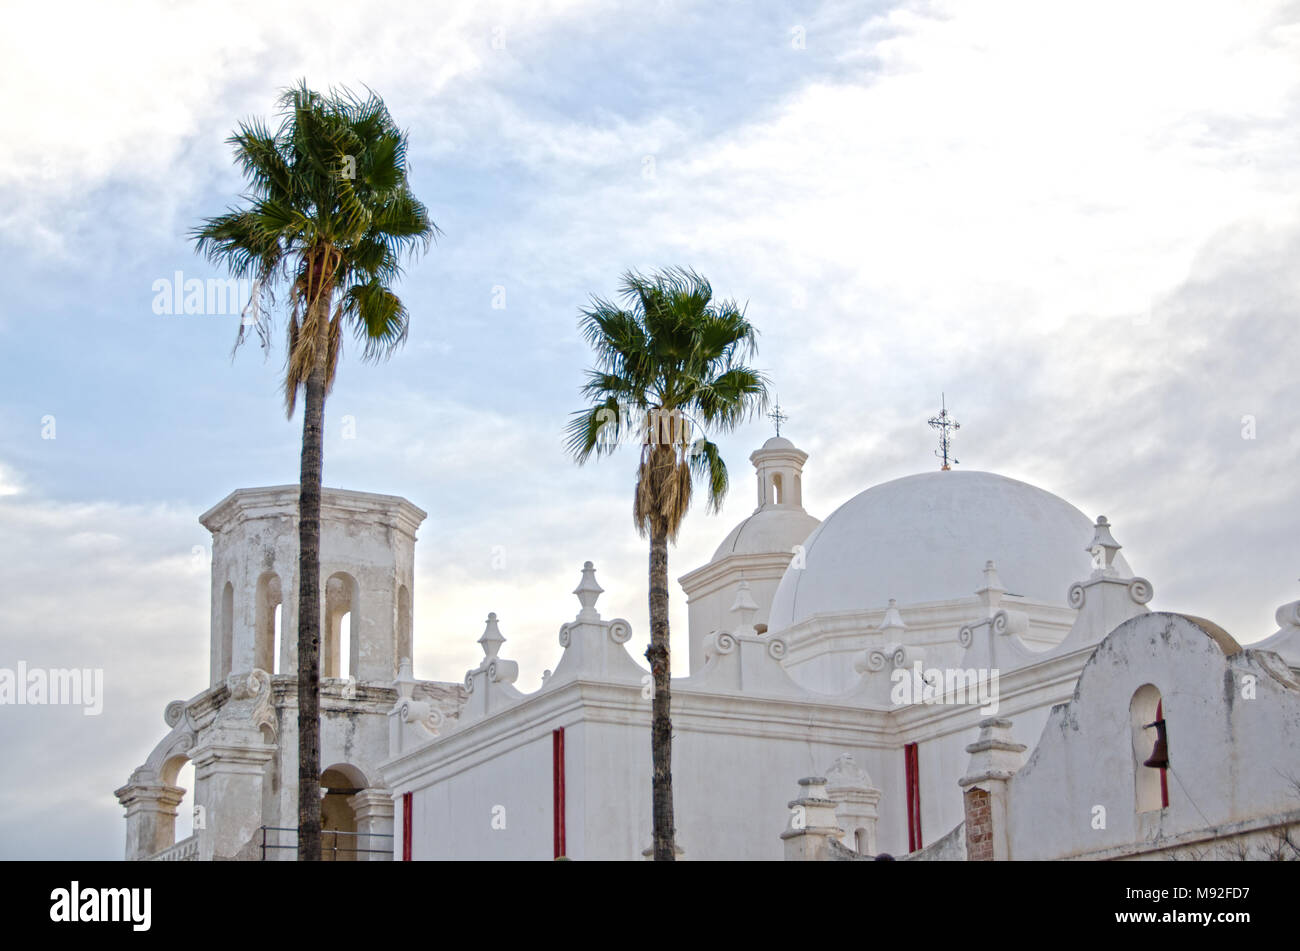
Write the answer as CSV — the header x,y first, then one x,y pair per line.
x,y
309,600
661,727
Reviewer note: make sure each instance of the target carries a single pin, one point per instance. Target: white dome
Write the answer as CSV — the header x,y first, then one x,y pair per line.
x,y
926,538
770,529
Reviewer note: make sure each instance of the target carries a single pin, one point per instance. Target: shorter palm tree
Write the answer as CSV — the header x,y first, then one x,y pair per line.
x,y
669,364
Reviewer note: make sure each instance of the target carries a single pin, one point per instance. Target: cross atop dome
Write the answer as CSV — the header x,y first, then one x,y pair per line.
x,y
945,424
777,417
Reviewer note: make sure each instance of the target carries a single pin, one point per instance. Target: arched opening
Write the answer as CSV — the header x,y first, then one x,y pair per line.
x,y
177,772
342,626
860,840
1151,783
404,645
778,496
265,644
226,651
340,841
185,811
278,648
345,647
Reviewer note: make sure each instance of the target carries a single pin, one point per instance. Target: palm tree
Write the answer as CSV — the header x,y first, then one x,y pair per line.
x,y
670,362
330,215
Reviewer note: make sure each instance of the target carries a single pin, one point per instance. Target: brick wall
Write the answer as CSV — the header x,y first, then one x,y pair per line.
x,y
979,826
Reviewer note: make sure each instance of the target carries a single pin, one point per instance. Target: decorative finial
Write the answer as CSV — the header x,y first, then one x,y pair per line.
x,y
744,607
776,416
892,622
588,591
845,773
992,591
492,639
945,423
1103,546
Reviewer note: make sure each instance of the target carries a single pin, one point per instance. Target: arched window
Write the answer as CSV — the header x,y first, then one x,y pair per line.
x,y
344,662
777,492
404,645
278,648
341,642
177,775
226,651
1150,745
269,598
184,825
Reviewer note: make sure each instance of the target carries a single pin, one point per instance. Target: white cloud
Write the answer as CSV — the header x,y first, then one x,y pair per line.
x,y
148,97
9,481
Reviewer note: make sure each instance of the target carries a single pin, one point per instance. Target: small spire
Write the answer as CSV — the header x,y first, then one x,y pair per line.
x,y
991,593
1103,546
405,679
946,425
744,607
491,640
588,591
892,621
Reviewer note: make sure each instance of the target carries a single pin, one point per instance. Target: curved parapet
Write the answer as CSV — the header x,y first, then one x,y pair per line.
x,y
744,663
172,751
1225,710
1285,641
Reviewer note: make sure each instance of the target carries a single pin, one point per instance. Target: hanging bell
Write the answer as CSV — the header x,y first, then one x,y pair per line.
x,y
1159,758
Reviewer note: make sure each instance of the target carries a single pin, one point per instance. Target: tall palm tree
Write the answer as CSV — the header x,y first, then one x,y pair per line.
x,y
671,362
330,215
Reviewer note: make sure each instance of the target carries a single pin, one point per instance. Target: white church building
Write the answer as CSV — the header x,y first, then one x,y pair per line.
x,y
953,665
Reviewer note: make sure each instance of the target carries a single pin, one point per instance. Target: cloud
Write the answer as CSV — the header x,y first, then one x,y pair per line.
x,y
105,586
146,96
9,481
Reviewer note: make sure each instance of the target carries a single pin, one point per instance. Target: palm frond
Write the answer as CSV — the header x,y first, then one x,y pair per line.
x,y
596,430
378,318
707,466
330,214
667,350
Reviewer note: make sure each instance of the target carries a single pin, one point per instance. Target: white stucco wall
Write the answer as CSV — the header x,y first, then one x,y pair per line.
x,y
1231,758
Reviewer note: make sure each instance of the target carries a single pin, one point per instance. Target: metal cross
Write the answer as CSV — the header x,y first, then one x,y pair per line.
x,y
945,423
777,417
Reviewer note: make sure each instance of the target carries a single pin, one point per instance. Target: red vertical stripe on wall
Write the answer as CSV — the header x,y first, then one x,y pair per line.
x,y
911,769
407,810
557,788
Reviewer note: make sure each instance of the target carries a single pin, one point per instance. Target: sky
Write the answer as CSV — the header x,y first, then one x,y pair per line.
x,y
1079,222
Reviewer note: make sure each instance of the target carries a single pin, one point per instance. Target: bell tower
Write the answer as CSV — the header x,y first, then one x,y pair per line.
x,y
367,574
779,467
756,553
240,733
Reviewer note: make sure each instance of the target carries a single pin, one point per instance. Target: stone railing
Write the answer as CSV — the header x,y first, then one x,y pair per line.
x,y
186,850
